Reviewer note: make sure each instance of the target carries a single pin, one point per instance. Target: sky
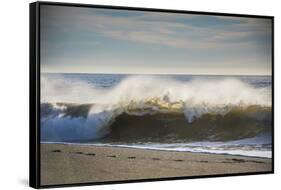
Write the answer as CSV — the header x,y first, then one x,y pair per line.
x,y
94,40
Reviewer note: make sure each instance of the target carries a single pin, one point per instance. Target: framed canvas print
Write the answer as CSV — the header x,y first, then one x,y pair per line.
x,y
121,94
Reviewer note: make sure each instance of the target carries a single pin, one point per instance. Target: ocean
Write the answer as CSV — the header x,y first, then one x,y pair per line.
x,y
194,113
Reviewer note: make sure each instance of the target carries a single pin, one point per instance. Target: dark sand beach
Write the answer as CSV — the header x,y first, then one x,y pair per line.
x,y
66,164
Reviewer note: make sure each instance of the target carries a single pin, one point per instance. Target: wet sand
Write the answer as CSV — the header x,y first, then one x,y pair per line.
x,y
66,164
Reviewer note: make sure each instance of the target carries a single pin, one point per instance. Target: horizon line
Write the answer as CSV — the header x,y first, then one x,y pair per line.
x,y
214,74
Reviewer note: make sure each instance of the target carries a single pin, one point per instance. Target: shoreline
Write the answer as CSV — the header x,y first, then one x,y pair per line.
x,y
72,163
152,149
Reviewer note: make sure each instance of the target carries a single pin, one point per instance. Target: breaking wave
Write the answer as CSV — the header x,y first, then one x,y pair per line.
x,y
153,109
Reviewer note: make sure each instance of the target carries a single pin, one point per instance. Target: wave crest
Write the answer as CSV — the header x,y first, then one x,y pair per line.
x,y
139,89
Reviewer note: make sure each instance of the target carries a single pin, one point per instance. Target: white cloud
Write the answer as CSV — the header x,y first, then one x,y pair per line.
x,y
149,28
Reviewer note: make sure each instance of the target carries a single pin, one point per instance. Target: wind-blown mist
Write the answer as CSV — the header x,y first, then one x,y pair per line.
x,y
139,89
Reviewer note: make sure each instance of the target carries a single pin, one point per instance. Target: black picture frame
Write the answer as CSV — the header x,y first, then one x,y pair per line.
x,y
34,98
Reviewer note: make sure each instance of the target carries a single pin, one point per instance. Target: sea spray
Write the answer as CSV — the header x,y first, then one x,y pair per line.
x,y
194,98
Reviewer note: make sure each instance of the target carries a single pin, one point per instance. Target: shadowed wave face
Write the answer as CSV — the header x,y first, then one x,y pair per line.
x,y
171,127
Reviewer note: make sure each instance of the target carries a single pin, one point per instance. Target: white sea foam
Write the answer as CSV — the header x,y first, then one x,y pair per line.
x,y
213,148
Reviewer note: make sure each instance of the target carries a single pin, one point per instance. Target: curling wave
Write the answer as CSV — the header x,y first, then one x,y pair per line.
x,y
153,109
87,122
